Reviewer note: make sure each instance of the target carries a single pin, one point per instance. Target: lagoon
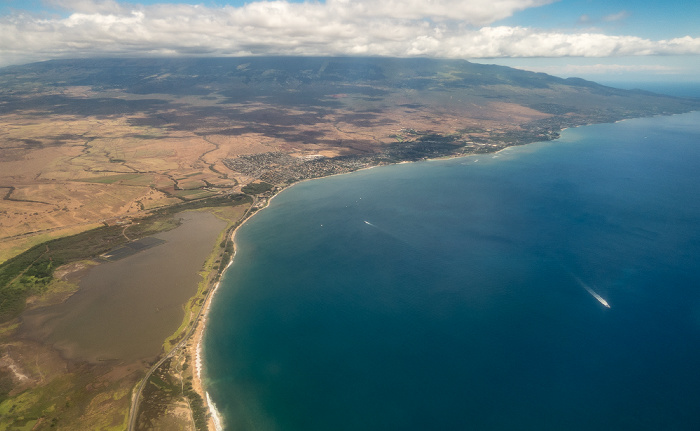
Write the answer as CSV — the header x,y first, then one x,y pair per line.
x,y
126,308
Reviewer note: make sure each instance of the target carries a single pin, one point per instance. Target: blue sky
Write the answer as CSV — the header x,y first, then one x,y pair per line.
x,y
651,19
604,40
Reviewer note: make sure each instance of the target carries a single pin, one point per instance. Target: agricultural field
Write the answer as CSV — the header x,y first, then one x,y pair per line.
x,y
88,142
95,154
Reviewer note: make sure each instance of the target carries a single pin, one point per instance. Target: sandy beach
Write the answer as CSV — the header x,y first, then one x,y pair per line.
x,y
194,351
194,348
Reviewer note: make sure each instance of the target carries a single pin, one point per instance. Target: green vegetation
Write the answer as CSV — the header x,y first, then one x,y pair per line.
x,y
168,384
6,385
69,401
193,174
73,400
211,271
226,257
256,188
200,414
193,194
493,96
31,272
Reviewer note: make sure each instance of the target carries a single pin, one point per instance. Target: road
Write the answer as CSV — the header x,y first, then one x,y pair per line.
x,y
136,397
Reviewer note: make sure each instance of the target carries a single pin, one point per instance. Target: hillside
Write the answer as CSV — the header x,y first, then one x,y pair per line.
x,y
89,141
95,154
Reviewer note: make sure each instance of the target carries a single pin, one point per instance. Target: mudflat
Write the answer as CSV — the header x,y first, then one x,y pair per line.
x,y
126,308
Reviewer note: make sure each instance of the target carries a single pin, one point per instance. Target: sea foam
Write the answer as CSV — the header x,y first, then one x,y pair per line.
x,y
214,413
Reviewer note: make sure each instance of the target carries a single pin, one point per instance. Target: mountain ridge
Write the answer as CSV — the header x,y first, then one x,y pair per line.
x,y
190,127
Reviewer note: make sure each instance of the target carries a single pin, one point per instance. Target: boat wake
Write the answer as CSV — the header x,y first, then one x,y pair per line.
x,y
592,292
389,234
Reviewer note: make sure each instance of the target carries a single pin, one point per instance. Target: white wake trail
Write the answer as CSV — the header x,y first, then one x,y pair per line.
x,y
592,292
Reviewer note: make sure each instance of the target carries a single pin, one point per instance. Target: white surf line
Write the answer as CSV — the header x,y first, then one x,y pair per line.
x,y
198,361
592,292
214,413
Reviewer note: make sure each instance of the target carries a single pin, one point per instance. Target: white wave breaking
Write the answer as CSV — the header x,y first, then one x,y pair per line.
x,y
214,414
198,361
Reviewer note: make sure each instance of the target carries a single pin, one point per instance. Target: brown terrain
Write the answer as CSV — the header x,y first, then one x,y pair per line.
x,y
63,174
113,149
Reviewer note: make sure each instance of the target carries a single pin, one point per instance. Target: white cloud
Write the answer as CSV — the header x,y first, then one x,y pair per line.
x,y
622,15
87,6
607,69
472,12
437,28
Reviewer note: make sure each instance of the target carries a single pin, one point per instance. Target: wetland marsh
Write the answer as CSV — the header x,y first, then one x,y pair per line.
x,y
117,300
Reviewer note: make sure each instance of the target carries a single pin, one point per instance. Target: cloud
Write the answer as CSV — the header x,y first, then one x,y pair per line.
x,y
607,69
620,16
525,42
584,19
437,28
470,11
87,6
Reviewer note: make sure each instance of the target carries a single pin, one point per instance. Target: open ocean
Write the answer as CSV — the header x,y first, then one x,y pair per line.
x,y
469,294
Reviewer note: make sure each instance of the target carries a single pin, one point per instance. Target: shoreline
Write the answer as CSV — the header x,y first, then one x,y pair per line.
x,y
194,350
195,353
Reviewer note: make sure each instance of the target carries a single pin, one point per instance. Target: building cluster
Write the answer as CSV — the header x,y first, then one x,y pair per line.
x,y
281,168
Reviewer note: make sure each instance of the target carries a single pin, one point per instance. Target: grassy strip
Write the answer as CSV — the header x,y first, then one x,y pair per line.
x,y
69,401
86,399
13,247
200,413
215,263
153,405
257,188
170,385
193,194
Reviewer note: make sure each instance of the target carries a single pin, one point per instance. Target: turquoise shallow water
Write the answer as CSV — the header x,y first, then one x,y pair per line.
x,y
458,294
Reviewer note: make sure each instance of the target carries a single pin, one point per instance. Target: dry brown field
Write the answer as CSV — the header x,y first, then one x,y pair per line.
x,y
103,142
61,174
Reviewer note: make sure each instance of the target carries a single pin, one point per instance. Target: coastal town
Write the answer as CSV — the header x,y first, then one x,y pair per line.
x,y
100,157
282,169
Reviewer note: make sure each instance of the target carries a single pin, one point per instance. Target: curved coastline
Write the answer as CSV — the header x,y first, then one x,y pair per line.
x,y
215,422
195,350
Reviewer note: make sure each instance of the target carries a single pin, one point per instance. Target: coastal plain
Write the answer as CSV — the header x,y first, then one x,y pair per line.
x,y
106,152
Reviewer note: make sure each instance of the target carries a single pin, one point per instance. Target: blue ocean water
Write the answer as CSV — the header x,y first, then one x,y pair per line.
x,y
459,294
